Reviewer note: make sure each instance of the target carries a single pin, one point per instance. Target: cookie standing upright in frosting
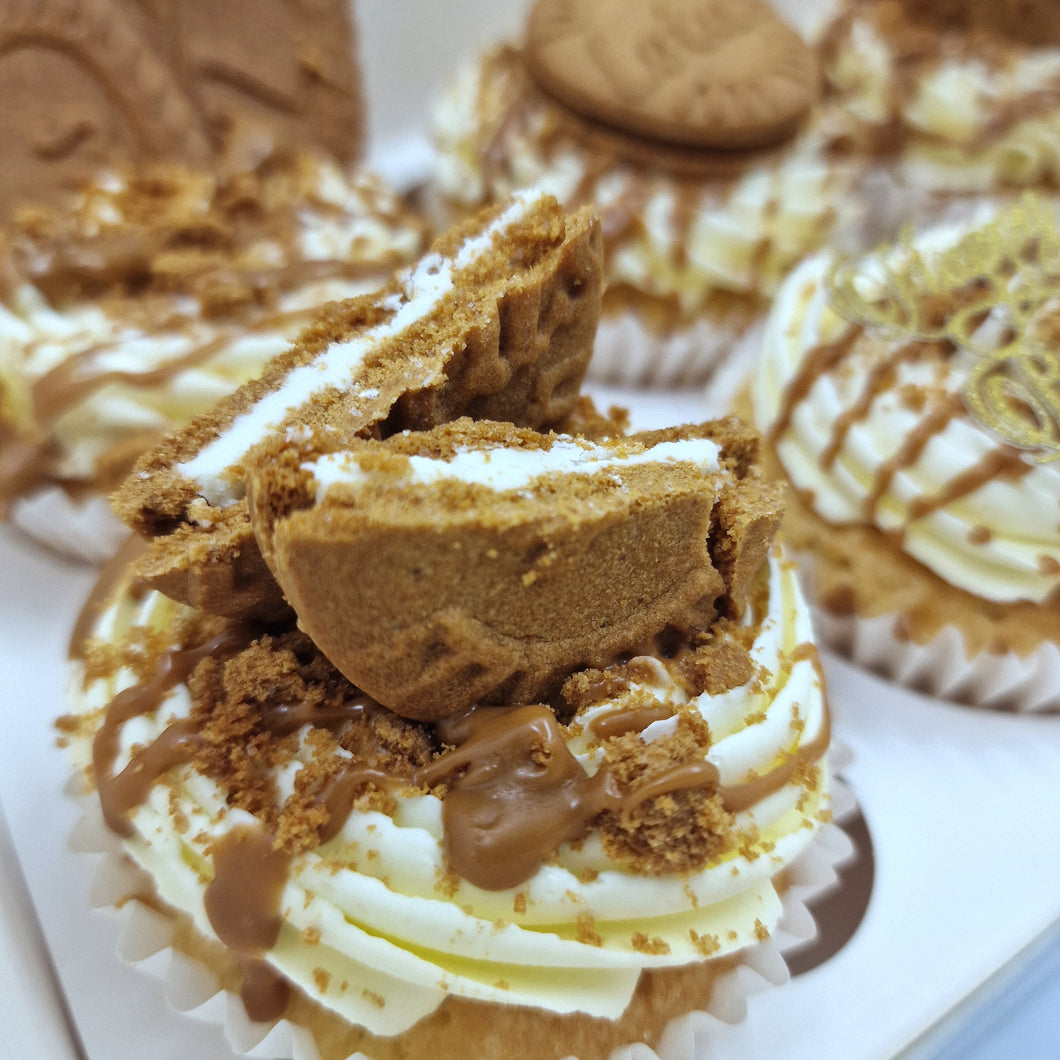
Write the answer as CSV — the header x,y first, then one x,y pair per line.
x,y
116,82
911,399
691,127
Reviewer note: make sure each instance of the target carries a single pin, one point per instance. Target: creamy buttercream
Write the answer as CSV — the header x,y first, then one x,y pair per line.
x,y
906,441
684,240
502,468
377,928
91,378
954,113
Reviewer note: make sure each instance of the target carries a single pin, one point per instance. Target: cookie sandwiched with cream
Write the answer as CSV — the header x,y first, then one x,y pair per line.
x,y
692,128
495,321
479,563
576,870
158,290
910,397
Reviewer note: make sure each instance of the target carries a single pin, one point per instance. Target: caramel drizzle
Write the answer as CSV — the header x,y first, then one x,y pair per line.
x,y
243,904
933,423
636,719
879,380
119,795
515,792
1003,462
815,365
111,574
73,381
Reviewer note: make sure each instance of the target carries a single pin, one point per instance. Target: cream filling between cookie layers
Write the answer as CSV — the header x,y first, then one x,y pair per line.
x,y
951,116
503,468
134,378
423,288
999,541
689,242
394,940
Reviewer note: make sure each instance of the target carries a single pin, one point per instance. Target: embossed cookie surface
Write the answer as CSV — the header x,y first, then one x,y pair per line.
x,y
704,73
496,321
88,85
478,562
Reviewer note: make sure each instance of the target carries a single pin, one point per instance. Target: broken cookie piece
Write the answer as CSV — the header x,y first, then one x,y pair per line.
x,y
481,563
496,321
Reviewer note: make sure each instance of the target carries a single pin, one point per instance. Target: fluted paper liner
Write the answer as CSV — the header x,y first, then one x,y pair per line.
x,y
628,353
147,935
942,666
83,529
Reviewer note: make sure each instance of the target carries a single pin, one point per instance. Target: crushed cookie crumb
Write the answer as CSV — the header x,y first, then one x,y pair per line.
x,y
321,977
311,936
706,945
587,932
679,831
761,931
657,947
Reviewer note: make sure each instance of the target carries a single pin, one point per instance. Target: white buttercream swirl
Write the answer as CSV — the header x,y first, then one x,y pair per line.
x,y
692,240
1000,541
386,923
155,341
966,120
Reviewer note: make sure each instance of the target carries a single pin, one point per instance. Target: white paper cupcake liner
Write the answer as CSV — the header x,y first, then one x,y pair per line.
x,y
86,530
146,936
628,353
942,666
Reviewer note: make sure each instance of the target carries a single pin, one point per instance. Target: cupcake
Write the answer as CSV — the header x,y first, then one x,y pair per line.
x,y
523,737
910,397
691,128
128,312
953,96
568,852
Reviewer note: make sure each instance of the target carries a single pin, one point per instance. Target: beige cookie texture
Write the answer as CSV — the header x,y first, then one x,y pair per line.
x,y
435,596
511,342
700,73
96,83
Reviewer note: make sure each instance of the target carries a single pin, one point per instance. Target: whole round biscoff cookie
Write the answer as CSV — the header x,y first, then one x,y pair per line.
x,y
705,74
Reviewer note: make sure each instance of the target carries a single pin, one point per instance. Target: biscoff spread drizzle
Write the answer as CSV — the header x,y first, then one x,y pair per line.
x,y
520,766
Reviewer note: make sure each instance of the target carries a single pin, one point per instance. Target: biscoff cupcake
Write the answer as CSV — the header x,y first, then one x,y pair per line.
x,y
952,96
578,870
692,129
158,290
521,734
910,397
